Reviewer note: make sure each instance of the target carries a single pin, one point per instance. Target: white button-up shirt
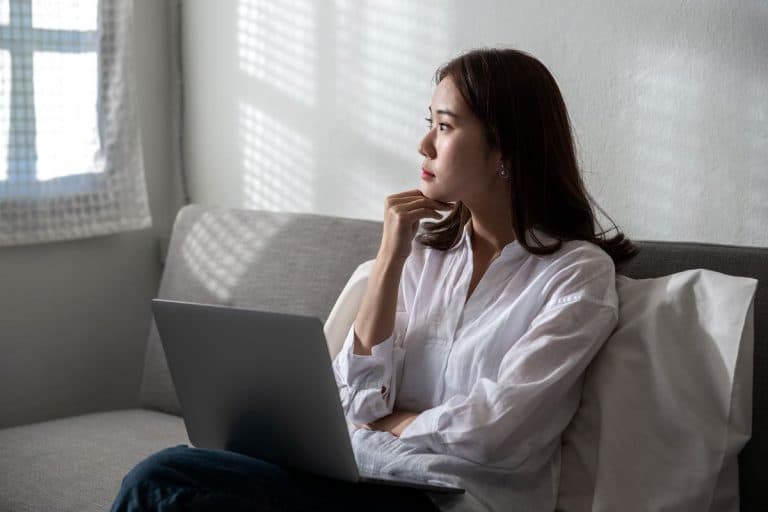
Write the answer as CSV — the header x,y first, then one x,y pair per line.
x,y
495,380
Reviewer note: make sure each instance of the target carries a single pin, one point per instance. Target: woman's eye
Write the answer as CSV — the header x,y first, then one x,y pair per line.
x,y
429,123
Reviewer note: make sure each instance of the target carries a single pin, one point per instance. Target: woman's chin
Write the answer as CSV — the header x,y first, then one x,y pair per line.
x,y
430,193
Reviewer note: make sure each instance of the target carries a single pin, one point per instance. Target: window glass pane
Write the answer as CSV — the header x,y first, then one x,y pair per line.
x,y
65,113
5,110
5,14
64,14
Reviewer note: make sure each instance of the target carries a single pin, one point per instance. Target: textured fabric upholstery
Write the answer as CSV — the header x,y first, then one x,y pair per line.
x,y
295,263
662,258
76,464
283,262
300,262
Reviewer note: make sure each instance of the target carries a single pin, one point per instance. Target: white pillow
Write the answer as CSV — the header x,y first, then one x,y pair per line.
x,y
667,402
344,311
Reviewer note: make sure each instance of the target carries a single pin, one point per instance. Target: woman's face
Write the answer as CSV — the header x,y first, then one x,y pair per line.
x,y
456,151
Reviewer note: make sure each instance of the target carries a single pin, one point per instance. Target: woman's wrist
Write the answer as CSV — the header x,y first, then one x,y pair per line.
x,y
394,423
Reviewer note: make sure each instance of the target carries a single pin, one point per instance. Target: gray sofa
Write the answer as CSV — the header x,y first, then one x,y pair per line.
x,y
295,263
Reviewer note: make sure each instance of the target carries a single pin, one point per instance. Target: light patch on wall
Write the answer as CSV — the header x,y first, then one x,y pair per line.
x,y
386,52
278,163
663,141
276,44
219,250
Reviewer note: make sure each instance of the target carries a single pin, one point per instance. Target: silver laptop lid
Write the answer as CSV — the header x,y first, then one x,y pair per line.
x,y
296,421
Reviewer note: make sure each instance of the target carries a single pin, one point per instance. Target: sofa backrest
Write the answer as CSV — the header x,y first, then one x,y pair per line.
x,y
299,263
282,262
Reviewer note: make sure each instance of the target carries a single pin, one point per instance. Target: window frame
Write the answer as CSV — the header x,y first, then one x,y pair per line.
x,y
22,40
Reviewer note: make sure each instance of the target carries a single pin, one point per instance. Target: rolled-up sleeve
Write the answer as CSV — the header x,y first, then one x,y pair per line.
x,y
537,390
368,384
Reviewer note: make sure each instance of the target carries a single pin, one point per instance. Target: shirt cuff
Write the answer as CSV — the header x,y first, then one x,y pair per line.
x,y
382,350
364,380
371,371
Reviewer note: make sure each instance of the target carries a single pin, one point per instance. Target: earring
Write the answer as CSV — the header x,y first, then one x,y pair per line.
x,y
503,171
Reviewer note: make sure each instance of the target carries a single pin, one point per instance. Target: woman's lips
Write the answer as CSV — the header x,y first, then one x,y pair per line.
x,y
426,174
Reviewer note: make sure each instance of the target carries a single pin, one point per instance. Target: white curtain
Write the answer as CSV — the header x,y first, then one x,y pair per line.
x,y
71,161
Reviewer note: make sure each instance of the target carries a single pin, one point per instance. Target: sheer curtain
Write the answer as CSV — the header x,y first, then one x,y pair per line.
x,y
71,161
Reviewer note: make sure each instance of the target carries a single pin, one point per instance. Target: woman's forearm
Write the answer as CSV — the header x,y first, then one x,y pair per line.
x,y
375,319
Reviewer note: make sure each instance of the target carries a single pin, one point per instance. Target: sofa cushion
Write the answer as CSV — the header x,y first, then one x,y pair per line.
x,y
667,402
661,258
299,263
282,262
77,464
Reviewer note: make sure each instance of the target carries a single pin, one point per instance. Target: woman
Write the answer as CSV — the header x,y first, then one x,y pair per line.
x,y
465,361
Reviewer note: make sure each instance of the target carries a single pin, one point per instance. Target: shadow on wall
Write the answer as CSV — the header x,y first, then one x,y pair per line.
x,y
694,127
219,249
381,59
331,96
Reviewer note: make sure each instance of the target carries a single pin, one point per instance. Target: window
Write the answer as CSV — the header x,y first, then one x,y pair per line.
x,y
48,58
71,163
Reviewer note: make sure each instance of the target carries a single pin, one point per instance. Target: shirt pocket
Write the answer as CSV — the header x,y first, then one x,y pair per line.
x,y
423,374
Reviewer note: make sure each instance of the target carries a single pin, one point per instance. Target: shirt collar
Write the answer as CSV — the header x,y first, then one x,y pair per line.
x,y
511,249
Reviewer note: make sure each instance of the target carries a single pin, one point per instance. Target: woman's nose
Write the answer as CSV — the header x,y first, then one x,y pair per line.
x,y
425,145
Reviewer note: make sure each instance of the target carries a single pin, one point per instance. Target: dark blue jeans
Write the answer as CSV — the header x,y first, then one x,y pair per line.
x,y
196,480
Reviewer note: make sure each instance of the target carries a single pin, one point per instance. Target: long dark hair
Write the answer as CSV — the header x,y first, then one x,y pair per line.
x,y
519,103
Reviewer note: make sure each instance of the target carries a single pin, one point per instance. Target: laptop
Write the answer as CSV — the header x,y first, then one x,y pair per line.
x,y
262,384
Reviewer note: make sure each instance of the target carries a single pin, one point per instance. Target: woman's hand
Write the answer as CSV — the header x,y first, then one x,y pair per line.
x,y
402,214
394,423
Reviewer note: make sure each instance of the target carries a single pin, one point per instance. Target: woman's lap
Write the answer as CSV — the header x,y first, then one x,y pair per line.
x,y
194,479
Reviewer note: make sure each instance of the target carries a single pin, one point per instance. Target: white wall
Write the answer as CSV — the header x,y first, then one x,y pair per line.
x,y
75,315
318,106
